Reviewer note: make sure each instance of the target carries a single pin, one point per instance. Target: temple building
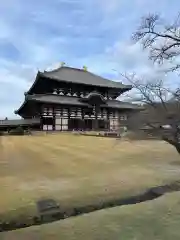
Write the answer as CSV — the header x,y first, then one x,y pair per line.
x,y
75,99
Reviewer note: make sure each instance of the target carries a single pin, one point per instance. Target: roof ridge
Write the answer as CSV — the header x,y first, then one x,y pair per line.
x,y
61,67
54,70
81,70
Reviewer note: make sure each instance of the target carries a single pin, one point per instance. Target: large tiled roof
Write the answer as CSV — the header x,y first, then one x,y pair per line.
x,y
81,76
50,98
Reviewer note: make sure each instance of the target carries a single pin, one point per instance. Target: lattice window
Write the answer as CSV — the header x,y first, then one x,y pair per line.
x,y
58,127
45,127
64,124
64,127
64,121
58,123
50,127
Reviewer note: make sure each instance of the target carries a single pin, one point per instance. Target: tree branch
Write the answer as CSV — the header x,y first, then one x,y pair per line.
x,y
151,36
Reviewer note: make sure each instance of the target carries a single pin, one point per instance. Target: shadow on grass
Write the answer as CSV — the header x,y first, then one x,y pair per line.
x,y
177,163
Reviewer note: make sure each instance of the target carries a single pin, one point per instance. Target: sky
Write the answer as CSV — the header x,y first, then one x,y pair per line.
x,y
40,34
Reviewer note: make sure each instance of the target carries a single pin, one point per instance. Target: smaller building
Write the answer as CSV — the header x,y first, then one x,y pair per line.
x,y
6,125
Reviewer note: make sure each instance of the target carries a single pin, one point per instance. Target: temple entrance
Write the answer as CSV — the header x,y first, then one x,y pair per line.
x,y
47,123
93,124
87,124
79,124
102,125
75,124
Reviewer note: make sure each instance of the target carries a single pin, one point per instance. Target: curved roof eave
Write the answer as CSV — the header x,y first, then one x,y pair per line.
x,y
69,100
34,83
27,98
19,109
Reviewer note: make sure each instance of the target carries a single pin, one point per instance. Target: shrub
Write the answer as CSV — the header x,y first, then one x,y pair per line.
x,y
17,131
1,133
28,131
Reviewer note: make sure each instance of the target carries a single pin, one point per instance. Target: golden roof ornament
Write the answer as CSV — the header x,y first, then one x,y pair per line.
x,y
85,68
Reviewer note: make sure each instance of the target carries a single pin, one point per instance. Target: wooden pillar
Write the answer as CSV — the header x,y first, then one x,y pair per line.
x,y
96,118
54,119
69,117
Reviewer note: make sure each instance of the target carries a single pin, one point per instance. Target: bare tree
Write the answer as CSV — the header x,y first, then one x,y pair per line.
x,y
163,41
164,108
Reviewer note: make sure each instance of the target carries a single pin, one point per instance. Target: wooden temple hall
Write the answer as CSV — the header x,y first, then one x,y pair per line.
x,y
75,99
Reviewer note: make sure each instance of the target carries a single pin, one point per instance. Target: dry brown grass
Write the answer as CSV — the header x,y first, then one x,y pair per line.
x,y
80,169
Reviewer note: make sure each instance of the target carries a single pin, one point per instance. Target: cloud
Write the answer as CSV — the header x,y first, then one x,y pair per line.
x,y
109,7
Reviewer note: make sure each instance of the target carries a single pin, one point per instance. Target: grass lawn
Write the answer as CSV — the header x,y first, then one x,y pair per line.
x,y
153,220
79,169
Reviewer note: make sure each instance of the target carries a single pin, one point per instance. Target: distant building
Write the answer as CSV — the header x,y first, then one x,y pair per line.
x,y
75,99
